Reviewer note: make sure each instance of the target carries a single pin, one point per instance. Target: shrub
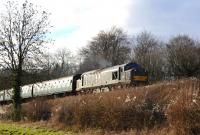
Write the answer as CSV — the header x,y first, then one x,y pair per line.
x,y
6,112
38,109
138,108
166,104
111,111
184,113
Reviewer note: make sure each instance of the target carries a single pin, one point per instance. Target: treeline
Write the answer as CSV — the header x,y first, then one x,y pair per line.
x,y
178,57
50,66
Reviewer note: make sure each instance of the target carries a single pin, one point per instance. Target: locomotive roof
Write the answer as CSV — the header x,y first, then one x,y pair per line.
x,y
104,69
55,79
126,65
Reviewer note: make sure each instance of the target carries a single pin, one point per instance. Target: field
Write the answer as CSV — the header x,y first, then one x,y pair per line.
x,y
169,107
26,129
13,129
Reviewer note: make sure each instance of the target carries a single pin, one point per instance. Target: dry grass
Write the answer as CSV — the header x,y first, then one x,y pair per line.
x,y
140,108
161,108
37,110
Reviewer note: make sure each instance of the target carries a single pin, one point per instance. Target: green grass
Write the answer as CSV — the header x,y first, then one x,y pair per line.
x,y
13,129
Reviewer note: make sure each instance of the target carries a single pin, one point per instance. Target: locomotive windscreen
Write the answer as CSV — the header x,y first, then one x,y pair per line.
x,y
132,66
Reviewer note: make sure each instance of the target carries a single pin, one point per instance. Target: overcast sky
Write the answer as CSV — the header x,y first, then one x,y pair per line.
x,y
75,22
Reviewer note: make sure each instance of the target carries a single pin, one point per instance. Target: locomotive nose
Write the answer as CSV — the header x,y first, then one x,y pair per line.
x,y
139,76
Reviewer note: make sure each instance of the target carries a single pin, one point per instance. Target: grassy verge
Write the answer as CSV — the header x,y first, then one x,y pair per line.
x,y
13,129
40,128
26,129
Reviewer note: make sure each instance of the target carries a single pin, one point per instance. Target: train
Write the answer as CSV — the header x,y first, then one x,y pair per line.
x,y
120,75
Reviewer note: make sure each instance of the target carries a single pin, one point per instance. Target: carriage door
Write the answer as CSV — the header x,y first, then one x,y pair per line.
x,y
82,80
120,71
74,82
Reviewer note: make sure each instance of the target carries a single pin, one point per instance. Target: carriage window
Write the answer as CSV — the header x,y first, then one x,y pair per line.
x,y
114,75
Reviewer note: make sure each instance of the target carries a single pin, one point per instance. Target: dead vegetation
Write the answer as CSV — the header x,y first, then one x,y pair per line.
x,y
37,110
149,109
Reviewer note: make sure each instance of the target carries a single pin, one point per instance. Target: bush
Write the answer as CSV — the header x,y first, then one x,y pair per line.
x,y
172,105
138,108
185,120
6,112
112,111
184,113
37,110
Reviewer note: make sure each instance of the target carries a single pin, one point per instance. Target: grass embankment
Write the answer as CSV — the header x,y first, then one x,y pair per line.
x,y
22,129
158,109
13,129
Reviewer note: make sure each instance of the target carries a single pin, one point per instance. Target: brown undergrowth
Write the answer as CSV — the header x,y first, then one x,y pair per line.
x,y
159,107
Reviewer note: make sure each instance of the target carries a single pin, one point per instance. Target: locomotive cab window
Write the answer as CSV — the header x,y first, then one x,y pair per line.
x,y
114,75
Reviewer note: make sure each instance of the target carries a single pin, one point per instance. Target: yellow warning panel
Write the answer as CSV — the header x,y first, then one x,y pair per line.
x,y
140,78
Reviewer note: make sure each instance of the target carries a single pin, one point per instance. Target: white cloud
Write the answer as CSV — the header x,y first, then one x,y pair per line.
x,y
89,16
80,20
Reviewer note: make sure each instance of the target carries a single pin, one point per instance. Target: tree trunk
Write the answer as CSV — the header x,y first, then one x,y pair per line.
x,y
17,94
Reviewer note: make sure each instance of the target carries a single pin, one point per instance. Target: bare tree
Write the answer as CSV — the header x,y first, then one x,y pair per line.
x,y
22,33
183,55
65,62
5,81
148,52
107,48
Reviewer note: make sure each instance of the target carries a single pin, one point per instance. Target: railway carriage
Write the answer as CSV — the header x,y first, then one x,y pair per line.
x,y
56,86
8,94
46,88
125,74
26,91
1,96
